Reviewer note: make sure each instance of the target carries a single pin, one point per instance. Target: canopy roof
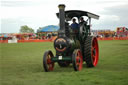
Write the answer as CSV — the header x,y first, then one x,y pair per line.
x,y
50,28
78,13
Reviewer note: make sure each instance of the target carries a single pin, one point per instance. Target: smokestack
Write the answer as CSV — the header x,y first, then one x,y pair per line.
x,y
62,19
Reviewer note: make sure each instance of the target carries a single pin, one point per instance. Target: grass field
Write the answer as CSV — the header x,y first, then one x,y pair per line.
x,y
21,64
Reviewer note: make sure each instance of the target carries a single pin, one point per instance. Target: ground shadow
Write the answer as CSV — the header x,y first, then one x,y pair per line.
x,y
63,69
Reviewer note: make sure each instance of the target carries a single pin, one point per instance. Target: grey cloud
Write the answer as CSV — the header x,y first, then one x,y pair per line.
x,y
120,11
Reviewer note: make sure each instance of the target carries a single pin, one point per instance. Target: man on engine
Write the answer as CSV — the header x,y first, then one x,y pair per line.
x,y
74,25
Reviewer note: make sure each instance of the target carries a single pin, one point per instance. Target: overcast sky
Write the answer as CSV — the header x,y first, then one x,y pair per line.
x,y
40,13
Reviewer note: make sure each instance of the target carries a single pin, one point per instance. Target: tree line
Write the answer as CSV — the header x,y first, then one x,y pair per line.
x,y
26,29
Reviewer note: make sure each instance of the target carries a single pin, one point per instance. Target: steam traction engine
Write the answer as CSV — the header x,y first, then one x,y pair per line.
x,y
73,46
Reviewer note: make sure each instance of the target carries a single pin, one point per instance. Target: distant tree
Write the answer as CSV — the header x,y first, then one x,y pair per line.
x,y
26,29
38,30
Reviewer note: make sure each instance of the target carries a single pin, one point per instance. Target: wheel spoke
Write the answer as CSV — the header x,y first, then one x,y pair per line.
x,y
50,67
92,49
95,46
93,58
77,59
48,61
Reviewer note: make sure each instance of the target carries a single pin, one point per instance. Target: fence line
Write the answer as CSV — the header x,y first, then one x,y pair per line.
x,y
51,40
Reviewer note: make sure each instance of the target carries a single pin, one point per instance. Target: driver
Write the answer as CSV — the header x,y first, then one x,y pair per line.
x,y
74,25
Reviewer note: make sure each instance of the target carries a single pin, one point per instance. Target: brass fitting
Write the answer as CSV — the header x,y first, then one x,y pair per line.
x,y
61,6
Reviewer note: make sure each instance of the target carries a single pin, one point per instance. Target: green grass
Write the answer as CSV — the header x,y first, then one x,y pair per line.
x,y
21,64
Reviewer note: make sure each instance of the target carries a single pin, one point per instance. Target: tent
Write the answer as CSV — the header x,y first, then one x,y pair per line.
x,y
49,28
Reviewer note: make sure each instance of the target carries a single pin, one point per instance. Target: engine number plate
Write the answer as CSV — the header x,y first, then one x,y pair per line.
x,y
60,57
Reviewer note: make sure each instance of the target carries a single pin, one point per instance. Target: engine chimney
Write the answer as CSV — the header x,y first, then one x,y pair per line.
x,y
61,32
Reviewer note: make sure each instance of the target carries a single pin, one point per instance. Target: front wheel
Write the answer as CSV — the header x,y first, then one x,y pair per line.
x,y
47,62
77,60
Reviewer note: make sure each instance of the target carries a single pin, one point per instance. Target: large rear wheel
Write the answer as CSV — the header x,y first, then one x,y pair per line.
x,y
77,60
91,51
47,62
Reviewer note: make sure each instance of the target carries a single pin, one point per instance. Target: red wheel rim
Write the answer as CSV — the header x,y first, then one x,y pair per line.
x,y
50,64
95,52
79,60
